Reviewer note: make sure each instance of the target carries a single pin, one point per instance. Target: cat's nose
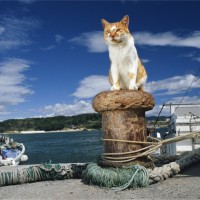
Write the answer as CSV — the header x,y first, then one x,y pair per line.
x,y
112,34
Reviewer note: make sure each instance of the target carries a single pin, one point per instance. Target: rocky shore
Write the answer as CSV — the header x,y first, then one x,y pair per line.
x,y
185,185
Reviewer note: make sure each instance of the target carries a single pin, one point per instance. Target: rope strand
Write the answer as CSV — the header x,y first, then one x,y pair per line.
x,y
143,152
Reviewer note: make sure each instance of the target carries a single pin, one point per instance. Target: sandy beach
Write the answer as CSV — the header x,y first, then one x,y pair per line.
x,y
185,185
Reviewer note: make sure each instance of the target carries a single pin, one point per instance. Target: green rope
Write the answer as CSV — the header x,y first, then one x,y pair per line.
x,y
45,171
136,169
116,178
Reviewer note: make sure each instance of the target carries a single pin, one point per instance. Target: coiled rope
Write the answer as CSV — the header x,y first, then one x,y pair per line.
x,y
43,172
116,178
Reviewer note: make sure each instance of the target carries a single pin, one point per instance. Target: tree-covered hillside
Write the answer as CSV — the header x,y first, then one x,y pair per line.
x,y
88,121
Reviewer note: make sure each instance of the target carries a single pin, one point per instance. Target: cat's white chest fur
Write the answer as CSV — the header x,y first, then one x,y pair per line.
x,y
124,63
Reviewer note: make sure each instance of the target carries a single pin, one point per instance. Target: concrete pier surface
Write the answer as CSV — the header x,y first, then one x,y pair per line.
x,y
185,185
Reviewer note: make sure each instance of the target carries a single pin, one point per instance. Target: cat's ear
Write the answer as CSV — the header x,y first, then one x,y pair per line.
x,y
104,22
125,20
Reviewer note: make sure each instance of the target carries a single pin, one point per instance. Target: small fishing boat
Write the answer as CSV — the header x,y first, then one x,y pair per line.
x,y
11,152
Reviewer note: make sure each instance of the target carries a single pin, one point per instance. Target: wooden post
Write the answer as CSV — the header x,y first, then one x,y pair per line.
x,y
123,118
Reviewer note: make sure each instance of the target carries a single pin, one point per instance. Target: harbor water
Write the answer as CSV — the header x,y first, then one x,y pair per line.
x,y
69,147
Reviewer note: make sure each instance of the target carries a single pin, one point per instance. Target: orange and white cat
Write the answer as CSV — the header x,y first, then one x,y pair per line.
x,y
126,70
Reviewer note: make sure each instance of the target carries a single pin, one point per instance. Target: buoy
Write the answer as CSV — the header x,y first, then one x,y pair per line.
x,y
24,158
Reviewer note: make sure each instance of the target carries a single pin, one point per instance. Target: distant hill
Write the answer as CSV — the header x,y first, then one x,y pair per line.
x,y
86,121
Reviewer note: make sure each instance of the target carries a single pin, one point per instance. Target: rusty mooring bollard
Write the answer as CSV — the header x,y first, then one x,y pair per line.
x,y
123,118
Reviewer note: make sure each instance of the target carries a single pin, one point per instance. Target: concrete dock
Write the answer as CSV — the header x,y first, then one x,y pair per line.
x,y
185,185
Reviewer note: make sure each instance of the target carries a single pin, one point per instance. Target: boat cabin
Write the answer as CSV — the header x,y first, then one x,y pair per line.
x,y
185,119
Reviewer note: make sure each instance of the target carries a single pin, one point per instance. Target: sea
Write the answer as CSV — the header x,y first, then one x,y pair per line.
x,y
61,147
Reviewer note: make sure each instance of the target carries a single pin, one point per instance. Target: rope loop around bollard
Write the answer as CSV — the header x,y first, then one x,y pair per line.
x,y
150,147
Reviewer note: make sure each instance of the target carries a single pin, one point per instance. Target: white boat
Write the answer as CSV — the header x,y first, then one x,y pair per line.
x,y
184,119
11,152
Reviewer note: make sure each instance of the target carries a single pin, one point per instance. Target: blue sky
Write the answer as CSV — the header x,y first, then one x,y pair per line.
x,y
53,59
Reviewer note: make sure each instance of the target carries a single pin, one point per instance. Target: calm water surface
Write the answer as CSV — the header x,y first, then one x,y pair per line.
x,y
84,146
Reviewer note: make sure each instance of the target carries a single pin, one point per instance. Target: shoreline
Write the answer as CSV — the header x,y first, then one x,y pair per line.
x,y
44,132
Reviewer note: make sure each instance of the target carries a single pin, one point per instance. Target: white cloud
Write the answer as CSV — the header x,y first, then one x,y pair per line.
x,y
187,99
78,107
2,108
2,29
172,85
189,55
59,38
192,55
94,41
145,60
15,32
12,83
50,47
168,39
92,85
197,59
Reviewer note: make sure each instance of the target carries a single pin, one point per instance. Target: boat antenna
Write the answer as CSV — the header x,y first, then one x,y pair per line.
x,y
195,76
154,126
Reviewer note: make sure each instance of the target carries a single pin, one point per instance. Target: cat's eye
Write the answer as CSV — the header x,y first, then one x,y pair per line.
x,y
107,31
118,30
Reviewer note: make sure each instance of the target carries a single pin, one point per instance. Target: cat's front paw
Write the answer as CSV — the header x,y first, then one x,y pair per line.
x,y
114,87
133,87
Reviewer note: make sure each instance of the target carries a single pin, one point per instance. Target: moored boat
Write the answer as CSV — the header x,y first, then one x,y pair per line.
x,y
11,152
184,119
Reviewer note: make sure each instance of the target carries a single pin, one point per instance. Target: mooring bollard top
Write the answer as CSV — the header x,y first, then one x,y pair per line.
x,y
122,100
